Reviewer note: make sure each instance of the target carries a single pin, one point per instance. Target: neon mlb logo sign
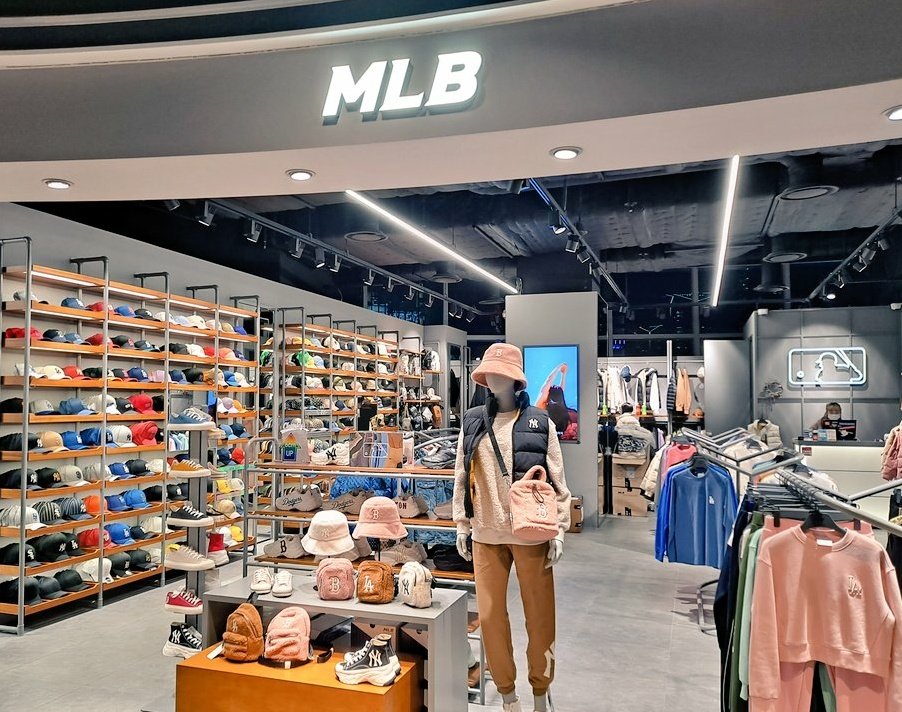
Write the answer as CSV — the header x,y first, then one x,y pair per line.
x,y
382,86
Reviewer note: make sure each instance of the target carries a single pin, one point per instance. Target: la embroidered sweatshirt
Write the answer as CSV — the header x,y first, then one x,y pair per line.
x,y
819,596
491,522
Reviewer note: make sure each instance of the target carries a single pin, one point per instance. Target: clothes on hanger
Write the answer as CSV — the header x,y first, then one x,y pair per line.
x,y
683,403
891,458
766,431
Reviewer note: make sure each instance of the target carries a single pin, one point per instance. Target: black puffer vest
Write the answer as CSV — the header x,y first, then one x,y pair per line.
x,y
530,441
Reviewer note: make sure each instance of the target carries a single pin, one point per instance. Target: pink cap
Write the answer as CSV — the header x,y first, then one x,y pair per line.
x,y
379,519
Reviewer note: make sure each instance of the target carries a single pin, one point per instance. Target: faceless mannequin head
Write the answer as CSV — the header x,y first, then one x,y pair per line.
x,y
502,388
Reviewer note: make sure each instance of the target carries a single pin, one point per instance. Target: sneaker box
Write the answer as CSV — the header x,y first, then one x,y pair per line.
x,y
629,502
628,470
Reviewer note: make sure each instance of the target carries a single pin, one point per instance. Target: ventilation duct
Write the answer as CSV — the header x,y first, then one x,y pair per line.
x,y
445,274
804,179
783,248
771,279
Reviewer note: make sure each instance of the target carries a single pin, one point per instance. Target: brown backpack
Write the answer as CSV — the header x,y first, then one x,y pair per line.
x,y
243,640
375,582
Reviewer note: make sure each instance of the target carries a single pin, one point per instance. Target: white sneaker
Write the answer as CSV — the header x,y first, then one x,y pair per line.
x,y
512,706
288,547
261,582
184,558
302,499
283,584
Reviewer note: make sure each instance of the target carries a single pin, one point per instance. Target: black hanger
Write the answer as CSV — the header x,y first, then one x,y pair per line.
x,y
821,520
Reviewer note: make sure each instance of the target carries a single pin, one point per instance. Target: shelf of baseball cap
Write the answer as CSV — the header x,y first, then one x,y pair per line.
x,y
33,456
51,566
89,384
54,492
132,482
11,609
13,532
345,470
16,418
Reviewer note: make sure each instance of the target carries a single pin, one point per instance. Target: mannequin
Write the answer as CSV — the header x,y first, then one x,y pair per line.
x,y
480,510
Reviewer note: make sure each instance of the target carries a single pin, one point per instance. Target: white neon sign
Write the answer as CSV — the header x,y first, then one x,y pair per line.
x,y
455,84
808,367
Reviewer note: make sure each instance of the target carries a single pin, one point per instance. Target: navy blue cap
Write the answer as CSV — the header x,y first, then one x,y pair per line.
x,y
139,374
116,503
120,469
73,303
73,441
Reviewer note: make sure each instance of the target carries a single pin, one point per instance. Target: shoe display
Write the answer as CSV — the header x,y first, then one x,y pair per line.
x,y
188,516
216,549
192,418
261,581
183,602
306,498
404,551
411,506
375,663
187,468
339,454
287,547
443,510
442,459
183,558
183,642
349,502
282,584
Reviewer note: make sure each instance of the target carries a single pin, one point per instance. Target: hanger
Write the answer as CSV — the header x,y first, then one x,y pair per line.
x,y
821,520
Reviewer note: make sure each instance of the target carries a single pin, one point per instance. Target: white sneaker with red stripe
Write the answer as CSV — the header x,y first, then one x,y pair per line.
x,y
184,602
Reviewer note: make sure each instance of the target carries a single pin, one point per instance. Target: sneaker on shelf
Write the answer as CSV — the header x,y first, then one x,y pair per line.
x,y
339,454
216,550
187,468
319,458
261,581
404,551
382,636
192,418
411,506
442,459
188,516
183,558
183,602
349,502
375,663
443,510
183,642
286,547
306,498
282,584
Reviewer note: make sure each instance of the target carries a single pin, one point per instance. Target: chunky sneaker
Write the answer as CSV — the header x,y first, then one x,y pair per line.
x,y
184,602
216,550
339,454
512,706
282,584
184,641
288,547
183,558
349,502
187,468
301,499
404,551
375,663
411,506
188,516
261,581
191,419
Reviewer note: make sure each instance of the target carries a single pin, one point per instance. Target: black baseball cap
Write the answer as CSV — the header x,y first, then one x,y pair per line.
x,y
138,468
70,580
144,345
140,560
175,493
138,534
73,548
93,372
122,341
154,494
50,548
9,591
159,404
124,405
9,555
13,441
145,314
54,335
49,478
120,564
49,588
12,479
11,405
178,348
194,375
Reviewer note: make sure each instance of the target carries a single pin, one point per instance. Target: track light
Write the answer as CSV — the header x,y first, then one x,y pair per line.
x,y
411,293
883,243
298,249
171,205
860,265
516,186
556,223
868,253
336,263
429,300
319,257
840,282
253,231
829,292
470,317
460,311
390,285
582,254
370,278
452,309
595,270
209,213
573,243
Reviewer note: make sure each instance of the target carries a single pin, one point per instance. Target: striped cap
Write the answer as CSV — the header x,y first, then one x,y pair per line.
x,y
49,513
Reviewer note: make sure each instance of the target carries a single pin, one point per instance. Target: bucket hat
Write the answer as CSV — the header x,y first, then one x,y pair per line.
x,y
501,360
328,534
379,519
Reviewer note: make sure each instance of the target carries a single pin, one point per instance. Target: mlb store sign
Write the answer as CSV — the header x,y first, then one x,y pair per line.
x,y
383,88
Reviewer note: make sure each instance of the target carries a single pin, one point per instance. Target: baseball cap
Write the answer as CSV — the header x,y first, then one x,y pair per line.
x,y
95,438
123,342
94,372
72,440
139,374
144,345
9,556
238,455
72,476
225,457
159,404
146,314
17,332
20,296
49,478
50,548
138,533
94,502
209,351
197,321
96,404
51,441
240,330
124,405
116,503
54,335
228,432
177,376
72,509
196,350
73,303
38,407
73,548
178,348
50,513
100,306
75,406
97,340
194,375
95,472
157,466
152,524
120,471
138,468
75,373
9,591
144,433
176,493
120,564
72,337
227,508
158,376
180,320
49,588
141,559
53,373
239,429
89,539
135,499
121,373
126,311
69,580
142,403
12,405
120,534
96,570
122,436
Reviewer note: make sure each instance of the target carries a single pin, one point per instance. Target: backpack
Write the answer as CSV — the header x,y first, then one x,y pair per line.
x,y
243,640
415,585
288,636
375,582
533,507
335,580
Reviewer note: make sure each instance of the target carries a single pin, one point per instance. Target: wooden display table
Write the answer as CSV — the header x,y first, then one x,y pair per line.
x,y
204,685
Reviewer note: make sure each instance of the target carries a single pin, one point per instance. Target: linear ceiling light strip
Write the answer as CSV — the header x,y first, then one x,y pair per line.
x,y
441,247
729,202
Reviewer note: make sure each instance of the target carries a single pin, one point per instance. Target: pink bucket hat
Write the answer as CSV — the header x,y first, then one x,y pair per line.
x,y
502,360
328,534
379,519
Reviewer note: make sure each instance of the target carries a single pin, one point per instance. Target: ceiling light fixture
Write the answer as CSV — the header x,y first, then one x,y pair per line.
x,y
730,199
298,249
411,293
894,113
336,263
300,174
868,253
370,278
58,183
573,244
471,316
429,300
595,270
206,219
582,254
416,232
171,205
840,282
860,265
829,292
555,223
883,243
566,153
390,285
253,232
319,255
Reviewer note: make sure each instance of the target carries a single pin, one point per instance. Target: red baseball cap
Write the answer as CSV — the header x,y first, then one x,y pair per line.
x,y
238,455
142,403
16,332
144,433
97,340
227,354
94,502
75,373
89,539
98,306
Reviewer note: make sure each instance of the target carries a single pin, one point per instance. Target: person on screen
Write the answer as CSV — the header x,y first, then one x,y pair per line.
x,y
551,398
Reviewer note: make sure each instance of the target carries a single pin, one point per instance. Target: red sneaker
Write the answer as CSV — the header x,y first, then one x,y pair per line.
x,y
184,602
216,549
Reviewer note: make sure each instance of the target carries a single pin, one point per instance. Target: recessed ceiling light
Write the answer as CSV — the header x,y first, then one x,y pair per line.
x,y
894,113
807,192
58,183
566,153
300,174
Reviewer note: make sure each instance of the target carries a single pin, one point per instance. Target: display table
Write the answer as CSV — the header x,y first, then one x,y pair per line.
x,y
203,685
445,625
853,465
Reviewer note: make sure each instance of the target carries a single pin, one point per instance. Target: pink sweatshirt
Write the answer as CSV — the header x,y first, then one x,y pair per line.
x,y
838,604
676,454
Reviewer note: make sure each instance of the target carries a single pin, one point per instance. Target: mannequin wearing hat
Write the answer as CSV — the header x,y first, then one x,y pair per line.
x,y
481,511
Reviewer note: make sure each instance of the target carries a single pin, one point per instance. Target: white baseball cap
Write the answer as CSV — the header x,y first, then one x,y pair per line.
x,y
122,436
96,404
72,476
54,373
158,465
89,570
10,517
152,524
96,471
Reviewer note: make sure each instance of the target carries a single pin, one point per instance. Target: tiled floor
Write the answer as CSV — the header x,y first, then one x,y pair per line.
x,y
627,640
